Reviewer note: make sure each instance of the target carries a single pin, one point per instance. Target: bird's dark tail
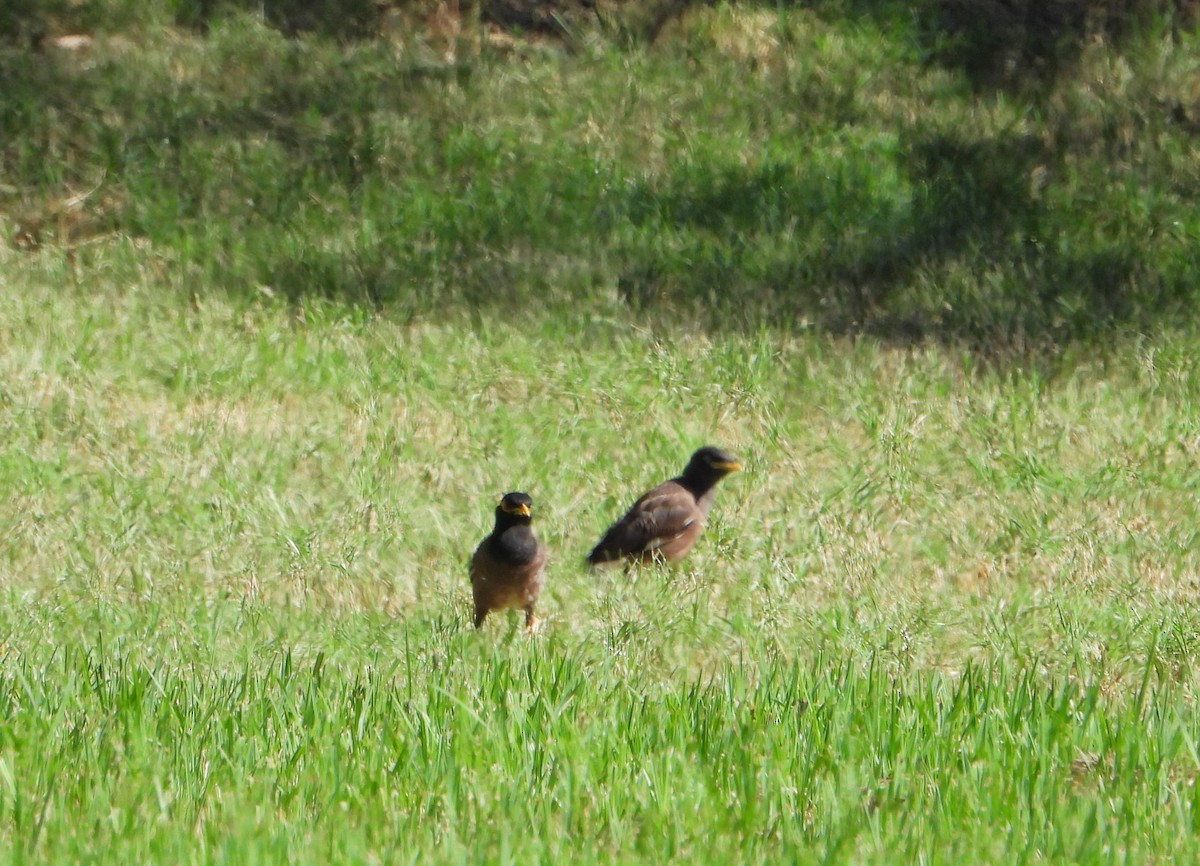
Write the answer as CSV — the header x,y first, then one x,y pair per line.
x,y
601,555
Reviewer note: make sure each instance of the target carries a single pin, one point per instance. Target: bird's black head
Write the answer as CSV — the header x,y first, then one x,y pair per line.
x,y
708,466
514,509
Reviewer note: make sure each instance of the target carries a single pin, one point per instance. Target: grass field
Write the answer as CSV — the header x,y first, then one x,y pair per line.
x,y
260,389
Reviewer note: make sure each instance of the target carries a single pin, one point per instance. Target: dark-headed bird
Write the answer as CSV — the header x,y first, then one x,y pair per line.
x,y
665,523
506,570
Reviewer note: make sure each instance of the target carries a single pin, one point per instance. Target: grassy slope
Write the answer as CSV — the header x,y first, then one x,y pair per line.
x,y
756,167
949,610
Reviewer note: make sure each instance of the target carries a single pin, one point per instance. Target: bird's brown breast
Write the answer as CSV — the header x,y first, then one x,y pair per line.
x,y
500,582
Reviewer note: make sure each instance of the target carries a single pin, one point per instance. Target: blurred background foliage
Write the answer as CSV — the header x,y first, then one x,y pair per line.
x,y
988,171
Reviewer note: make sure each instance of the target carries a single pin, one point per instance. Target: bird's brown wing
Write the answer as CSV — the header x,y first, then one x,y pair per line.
x,y
655,520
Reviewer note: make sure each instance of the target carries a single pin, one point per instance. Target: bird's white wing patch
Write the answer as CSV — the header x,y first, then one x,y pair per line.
x,y
658,540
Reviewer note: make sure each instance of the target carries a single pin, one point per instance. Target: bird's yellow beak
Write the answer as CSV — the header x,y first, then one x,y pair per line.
x,y
521,508
729,465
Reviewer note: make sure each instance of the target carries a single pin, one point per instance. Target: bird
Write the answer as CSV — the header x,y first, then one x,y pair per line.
x,y
666,521
507,567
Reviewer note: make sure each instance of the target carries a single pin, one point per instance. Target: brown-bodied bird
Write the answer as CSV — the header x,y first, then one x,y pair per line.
x,y
506,570
665,523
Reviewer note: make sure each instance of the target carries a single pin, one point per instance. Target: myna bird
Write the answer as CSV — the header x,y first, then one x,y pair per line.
x,y
665,523
506,570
